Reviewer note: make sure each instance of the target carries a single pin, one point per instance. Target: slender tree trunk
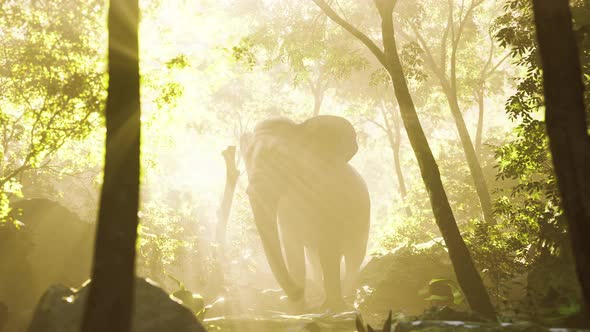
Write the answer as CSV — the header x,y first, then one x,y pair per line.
x,y
231,180
318,99
400,176
394,138
479,180
480,120
449,86
450,89
110,300
567,126
467,276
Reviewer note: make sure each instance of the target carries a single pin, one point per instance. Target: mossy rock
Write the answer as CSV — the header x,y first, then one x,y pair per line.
x,y
399,280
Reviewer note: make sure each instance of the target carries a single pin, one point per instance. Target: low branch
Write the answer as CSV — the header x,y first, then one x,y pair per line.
x,y
232,174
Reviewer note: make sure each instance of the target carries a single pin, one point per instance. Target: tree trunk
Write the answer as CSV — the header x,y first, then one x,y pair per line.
x,y
566,125
480,119
110,300
479,180
467,276
318,98
231,180
449,87
394,138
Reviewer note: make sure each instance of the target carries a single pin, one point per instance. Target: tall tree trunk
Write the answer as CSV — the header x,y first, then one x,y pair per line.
x,y
480,119
467,276
479,180
394,137
318,98
110,300
449,86
231,180
317,104
450,90
566,125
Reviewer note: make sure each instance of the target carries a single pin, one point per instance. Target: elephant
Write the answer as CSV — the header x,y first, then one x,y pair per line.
x,y
307,199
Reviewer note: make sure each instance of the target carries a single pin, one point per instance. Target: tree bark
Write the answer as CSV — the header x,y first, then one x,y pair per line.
x,y
110,300
449,87
231,179
394,138
318,90
480,120
567,126
467,275
318,98
479,180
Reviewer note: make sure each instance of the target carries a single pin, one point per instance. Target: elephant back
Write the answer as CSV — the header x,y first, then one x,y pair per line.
x,y
278,148
329,137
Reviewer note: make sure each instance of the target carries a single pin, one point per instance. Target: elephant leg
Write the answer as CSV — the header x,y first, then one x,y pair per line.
x,y
295,256
316,266
353,260
330,260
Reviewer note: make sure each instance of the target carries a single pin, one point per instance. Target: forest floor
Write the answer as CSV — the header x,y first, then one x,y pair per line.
x,y
441,319
345,322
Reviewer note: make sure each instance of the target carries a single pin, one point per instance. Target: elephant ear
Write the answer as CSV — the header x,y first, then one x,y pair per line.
x,y
331,137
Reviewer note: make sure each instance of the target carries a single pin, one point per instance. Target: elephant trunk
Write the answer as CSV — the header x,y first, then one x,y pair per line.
x,y
265,216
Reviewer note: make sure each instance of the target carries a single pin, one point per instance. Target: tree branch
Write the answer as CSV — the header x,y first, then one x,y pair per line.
x,y
457,38
354,31
428,57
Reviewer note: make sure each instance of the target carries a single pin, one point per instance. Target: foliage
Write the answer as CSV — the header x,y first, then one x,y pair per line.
x,y
419,227
532,204
531,230
303,48
164,234
52,83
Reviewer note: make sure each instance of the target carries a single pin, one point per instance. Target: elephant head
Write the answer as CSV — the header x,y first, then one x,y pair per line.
x,y
272,154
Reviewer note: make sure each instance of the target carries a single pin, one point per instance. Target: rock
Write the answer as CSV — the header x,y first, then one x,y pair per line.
x,y
52,245
61,309
399,280
62,242
16,281
55,309
449,314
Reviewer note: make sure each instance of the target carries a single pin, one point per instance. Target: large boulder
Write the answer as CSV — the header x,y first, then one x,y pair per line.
x,y
48,244
61,309
52,245
62,242
401,279
16,281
